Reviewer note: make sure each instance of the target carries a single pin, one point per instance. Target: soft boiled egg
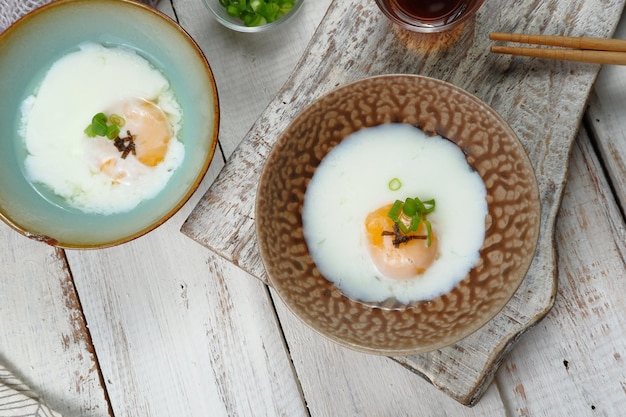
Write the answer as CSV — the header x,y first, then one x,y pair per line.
x,y
151,127
94,173
352,237
407,258
151,131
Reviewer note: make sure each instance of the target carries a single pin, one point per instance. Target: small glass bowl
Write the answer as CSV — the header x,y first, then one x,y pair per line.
x,y
233,23
464,11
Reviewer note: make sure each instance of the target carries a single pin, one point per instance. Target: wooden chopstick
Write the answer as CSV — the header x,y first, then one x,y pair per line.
x,y
592,50
595,44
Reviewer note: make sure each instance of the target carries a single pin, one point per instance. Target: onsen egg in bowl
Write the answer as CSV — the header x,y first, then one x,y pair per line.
x,y
109,122
397,215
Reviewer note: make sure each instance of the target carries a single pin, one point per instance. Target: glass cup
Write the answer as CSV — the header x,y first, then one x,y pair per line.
x,y
429,15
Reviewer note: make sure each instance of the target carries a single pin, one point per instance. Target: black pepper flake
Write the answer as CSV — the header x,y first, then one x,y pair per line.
x,y
399,237
125,145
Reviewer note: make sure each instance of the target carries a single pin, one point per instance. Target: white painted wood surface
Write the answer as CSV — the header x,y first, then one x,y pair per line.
x,y
163,327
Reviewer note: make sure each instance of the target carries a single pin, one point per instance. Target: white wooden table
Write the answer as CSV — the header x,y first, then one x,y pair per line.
x,y
163,327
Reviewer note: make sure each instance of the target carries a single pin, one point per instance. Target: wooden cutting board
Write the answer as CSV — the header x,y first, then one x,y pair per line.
x,y
542,100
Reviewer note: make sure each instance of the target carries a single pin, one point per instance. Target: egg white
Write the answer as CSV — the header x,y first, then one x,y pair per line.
x,y
353,180
62,158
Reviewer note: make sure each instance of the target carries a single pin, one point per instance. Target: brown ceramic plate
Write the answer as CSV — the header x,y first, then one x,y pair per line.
x,y
491,148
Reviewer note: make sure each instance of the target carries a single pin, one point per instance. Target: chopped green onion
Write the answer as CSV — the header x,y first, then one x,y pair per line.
x,y
420,206
429,206
232,11
101,125
429,232
410,207
395,184
402,227
254,20
99,117
415,223
117,120
257,12
271,12
285,6
98,127
414,212
394,212
113,131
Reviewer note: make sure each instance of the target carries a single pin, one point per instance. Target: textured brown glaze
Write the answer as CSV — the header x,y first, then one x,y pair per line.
x,y
512,224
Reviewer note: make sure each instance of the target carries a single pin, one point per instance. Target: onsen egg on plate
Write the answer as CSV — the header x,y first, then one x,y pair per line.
x,y
102,172
356,241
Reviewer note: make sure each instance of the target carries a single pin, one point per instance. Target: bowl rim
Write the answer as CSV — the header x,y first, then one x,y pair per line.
x,y
213,135
416,349
240,27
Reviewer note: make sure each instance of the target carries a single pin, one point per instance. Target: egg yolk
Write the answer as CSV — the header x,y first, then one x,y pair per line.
x,y
151,132
151,128
407,260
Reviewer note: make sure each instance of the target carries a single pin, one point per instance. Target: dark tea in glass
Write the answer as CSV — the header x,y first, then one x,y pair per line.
x,y
429,9
429,15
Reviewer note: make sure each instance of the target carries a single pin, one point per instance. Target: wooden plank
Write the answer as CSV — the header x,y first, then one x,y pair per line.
x,y
341,382
574,360
44,340
606,121
542,100
174,336
608,127
580,342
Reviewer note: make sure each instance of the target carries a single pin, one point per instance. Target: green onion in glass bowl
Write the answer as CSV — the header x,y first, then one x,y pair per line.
x,y
253,15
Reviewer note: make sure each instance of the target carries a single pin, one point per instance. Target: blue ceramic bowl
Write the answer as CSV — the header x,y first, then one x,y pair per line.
x,y
30,46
